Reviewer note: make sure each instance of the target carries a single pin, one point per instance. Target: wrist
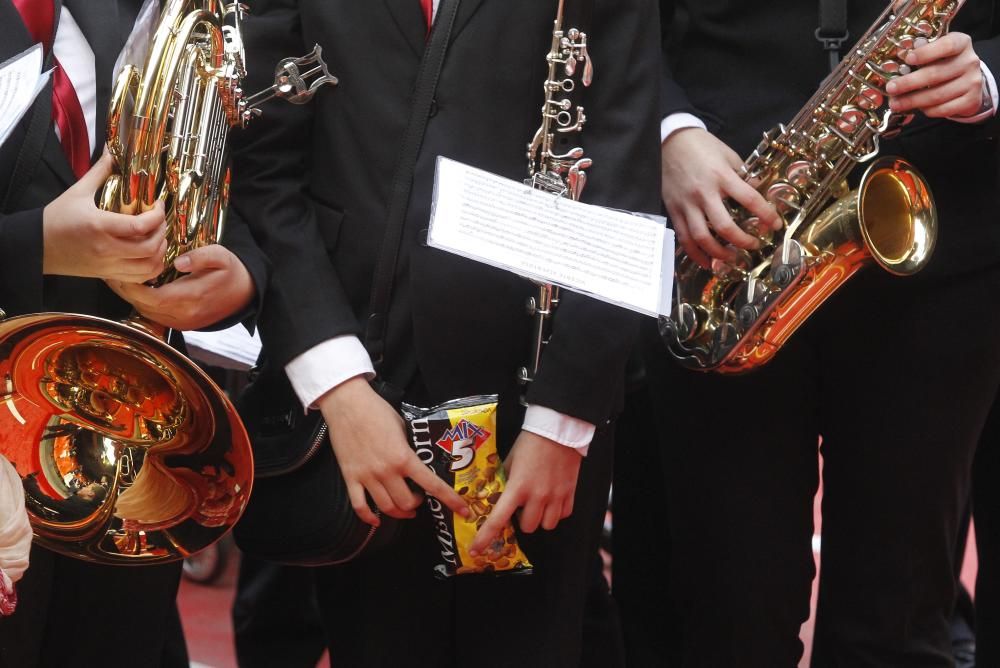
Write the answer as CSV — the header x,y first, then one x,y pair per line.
x,y
346,391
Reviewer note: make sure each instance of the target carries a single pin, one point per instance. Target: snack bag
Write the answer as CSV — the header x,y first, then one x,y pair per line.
x,y
457,440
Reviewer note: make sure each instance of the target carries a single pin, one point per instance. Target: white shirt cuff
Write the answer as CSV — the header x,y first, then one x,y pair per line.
x,y
679,121
991,85
563,429
326,365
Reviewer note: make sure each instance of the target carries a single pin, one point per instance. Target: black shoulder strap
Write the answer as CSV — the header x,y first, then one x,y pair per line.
x,y
402,181
832,31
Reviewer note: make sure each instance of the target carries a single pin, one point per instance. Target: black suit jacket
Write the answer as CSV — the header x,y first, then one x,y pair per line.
x,y
314,184
743,67
23,289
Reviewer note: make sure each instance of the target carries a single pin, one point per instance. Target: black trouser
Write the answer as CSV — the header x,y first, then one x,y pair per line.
x,y
389,609
986,512
72,612
897,375
276,620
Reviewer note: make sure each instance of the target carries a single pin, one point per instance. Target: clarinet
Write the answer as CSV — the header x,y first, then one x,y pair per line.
x,y
556,169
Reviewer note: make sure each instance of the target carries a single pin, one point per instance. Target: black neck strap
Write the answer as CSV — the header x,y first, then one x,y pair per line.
x,y
402,182
832,31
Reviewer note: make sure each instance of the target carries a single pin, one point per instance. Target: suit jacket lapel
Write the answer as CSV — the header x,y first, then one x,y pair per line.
x,y
409,19
465,12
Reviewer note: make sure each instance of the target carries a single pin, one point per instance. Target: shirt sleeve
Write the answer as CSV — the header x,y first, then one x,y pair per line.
x,y
679,121
326,365
563,429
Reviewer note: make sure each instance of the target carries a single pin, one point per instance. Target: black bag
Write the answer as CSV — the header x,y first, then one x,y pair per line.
x,y
299,510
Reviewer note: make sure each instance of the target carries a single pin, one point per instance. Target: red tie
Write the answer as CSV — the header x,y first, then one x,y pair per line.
x,y
428,7
39,18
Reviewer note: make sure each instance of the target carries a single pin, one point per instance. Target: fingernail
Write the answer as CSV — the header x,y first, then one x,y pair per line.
x,y
891,88
183,263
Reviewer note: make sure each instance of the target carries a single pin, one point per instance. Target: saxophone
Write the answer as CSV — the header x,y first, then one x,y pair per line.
x,y
736,316
552,169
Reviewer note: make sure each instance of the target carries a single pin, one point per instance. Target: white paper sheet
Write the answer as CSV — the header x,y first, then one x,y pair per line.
x,y
21,79
614,256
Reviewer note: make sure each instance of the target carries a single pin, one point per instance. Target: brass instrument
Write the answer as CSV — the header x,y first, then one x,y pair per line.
x,y
736,316
129,453
551,171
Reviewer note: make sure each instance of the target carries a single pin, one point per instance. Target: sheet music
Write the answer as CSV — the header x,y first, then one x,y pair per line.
x,y
21,79
618,257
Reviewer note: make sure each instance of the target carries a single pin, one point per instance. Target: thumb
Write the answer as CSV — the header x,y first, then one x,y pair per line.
x,y
96,175
202,259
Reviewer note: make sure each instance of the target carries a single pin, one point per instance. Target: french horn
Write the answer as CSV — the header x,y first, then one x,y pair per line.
x,y
129,453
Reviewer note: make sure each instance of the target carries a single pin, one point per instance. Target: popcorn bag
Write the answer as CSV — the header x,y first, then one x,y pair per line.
x,y
457,440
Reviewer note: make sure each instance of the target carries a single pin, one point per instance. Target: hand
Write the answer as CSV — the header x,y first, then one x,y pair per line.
x,y
541,480
699,172
369,441
949,83
216,286
82,240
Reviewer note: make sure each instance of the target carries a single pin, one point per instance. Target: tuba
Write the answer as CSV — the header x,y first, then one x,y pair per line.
x,y
736,316
128,452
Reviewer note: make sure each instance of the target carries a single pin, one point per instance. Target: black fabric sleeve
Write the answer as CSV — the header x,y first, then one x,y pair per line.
x,y
583,366
21,250
305,303
673,99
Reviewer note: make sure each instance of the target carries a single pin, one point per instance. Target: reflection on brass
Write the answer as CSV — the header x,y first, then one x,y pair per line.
x,y
735,316
128,452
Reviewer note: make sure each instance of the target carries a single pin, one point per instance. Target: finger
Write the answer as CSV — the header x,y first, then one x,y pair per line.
x,y
96,175
724,226
141,226
551,516
702,236
495,522
402,496
384,501
567,508
203,259
133,270
685,241
966,91
356,493
437,488
932,76
747,196
732,157
958,108
947,46
531,515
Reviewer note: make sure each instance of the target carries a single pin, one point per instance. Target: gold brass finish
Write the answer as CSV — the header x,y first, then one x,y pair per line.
x,y
735,316
129,453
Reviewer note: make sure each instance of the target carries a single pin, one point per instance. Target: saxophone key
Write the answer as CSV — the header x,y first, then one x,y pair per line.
x,y
800,173
784,196
869,98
